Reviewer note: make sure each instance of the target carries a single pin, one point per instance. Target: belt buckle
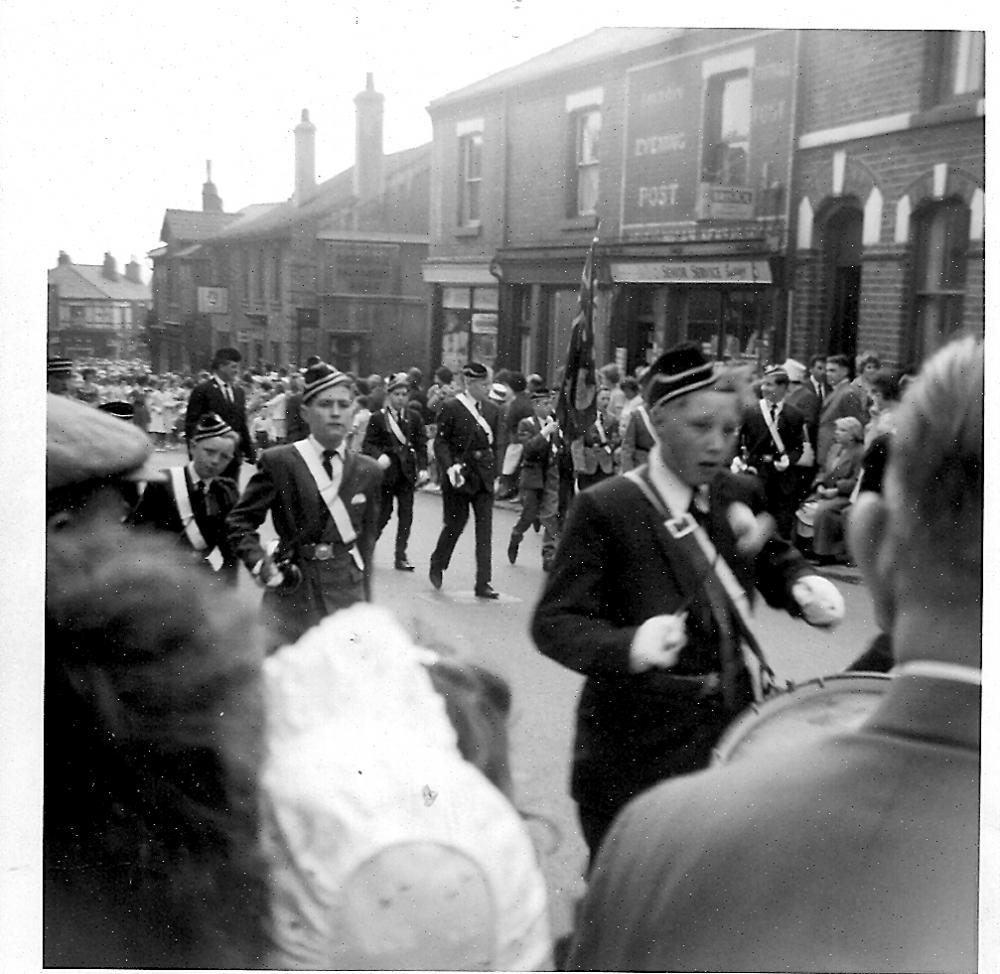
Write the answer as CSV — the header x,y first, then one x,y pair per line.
x,y
323,552
680,526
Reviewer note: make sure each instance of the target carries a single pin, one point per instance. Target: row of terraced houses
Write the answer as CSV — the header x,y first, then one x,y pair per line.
x,y
764,192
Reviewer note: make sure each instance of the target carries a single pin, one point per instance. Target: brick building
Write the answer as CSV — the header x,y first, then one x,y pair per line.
x,y
726,168
332,271
888,192
96,312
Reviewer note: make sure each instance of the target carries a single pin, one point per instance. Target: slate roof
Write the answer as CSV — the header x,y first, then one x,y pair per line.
x,y
87,282
337,191
599,45
191,225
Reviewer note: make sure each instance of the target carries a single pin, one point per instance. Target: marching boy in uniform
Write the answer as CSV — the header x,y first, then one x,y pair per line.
x,y
194,501
396,439
324,503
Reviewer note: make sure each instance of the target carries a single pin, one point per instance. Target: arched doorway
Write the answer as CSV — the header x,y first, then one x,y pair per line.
x,y
842,255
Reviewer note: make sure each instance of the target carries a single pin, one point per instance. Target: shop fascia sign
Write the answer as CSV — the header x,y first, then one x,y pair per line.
x,y
725,202
692,272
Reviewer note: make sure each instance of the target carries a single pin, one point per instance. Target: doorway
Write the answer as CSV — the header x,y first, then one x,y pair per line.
x,y
843,256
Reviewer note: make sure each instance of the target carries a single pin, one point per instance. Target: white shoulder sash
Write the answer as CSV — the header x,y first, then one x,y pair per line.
x,y
772,427
479,418
182,501
328,491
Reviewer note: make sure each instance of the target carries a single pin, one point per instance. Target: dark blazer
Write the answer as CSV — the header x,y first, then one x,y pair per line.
x,y
590,454
845,400
539,454
856,851
461,439
803,397
284,487
207,397
404,460
157,509
296,428
756,438
615,567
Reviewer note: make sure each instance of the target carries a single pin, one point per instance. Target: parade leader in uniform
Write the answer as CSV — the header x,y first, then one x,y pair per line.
x,y
465,450
194,501
324,503
650,589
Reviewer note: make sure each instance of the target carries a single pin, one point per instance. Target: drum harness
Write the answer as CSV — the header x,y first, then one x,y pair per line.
x,y
725,595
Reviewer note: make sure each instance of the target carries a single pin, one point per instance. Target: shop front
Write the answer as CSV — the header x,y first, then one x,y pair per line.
x,y
465,314
731,306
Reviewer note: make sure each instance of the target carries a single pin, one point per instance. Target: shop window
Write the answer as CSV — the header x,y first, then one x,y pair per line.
x,y
941,238
350,352
470,326
586,134
727,129
470,148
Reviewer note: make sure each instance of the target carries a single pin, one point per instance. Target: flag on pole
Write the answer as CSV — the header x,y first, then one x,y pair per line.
x,y
576,408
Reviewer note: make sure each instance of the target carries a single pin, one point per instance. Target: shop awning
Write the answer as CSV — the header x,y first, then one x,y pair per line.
x,y
458,274
691,272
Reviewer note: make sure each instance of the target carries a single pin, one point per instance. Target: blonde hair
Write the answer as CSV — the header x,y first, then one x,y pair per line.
x,y
934,483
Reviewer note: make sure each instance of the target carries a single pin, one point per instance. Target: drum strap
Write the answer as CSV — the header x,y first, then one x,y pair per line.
x,y
726,596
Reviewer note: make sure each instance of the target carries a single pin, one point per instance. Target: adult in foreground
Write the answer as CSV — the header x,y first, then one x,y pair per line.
x,y
324,502
632,606
224,396
467,430
859,851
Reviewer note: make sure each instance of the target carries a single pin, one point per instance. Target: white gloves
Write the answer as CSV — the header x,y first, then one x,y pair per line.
x,y
820,601
549,428
781,464
383,461
455,475
657,643
267,573
752,531
422,477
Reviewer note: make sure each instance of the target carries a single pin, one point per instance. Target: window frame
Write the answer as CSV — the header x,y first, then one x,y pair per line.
x,y
468,181
579,166
712,120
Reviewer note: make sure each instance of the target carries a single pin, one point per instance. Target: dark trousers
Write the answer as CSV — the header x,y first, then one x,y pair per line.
x,y
402,491
455,513
781,493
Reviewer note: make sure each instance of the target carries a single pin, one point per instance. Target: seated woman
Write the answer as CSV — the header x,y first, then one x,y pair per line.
x,y
393,844
821,514
152,737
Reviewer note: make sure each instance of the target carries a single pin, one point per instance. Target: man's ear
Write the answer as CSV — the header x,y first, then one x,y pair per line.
x,y
867,540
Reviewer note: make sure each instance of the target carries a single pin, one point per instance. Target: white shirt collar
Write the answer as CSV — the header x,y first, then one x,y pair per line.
x,y
195,479
675,493
320,449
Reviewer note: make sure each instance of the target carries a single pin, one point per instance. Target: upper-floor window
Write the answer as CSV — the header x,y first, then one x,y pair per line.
x,y
964,61
587,140
470,168
274,275
727,129
941,245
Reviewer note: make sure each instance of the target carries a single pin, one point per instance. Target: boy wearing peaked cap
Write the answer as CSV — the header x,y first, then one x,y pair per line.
x,y
324,502
636,603
195,499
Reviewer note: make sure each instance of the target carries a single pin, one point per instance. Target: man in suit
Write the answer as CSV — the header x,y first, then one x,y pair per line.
x,y
395,438
222,396
842,400
520,407
541,441
467,430
857,850
771,440
803,396
817,377
323,501
630,604
195,500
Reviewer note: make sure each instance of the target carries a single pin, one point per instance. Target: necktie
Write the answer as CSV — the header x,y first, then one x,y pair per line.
x,y
229,392
328,456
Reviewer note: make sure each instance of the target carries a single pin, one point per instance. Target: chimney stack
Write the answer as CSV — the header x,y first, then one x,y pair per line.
x,y
133,272
211,202
64,258
305,158
368,141
110,269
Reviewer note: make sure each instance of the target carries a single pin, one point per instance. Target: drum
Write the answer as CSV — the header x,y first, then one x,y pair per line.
x,y
802,714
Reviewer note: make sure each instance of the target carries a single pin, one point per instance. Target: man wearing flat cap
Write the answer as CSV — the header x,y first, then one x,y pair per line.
x,y
465,449
650,592
94,464
195,499
771,441
324,503
396,440
222,396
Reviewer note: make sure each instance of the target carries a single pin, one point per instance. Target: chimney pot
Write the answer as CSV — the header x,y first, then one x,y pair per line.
x,y
368,141
211,202
64,258
305,158
110,269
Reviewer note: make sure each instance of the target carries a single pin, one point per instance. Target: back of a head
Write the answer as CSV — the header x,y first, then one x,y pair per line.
x,y
517,382
934,480
152,738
